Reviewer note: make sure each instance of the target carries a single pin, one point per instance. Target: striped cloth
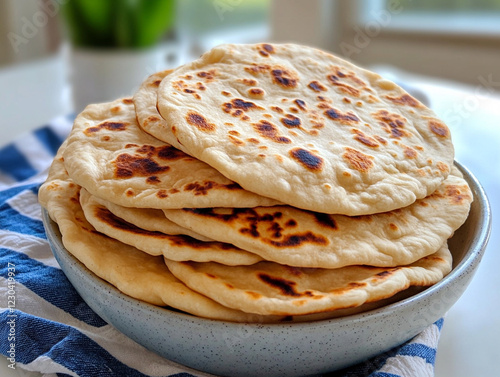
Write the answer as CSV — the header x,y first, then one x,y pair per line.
x,y
47,327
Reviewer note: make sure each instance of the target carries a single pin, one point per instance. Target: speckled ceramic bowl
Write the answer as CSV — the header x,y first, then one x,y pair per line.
x,y
294,349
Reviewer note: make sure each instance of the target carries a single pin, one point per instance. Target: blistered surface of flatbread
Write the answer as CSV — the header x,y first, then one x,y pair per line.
x,y
295,237
115,160
271,288
150,219
175,247
132,271
306,128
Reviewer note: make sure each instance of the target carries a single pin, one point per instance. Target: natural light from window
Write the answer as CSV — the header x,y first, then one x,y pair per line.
x,y
472,17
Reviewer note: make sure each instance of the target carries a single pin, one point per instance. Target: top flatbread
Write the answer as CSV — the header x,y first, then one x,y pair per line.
x,y
110,156
304,127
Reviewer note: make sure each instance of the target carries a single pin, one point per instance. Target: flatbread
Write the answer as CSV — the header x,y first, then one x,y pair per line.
x,y
148,117
295,237
273,289
150,219
175,247
110,156
306,128
132,271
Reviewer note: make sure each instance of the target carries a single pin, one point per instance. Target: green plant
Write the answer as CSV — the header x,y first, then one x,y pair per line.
x,y
118,23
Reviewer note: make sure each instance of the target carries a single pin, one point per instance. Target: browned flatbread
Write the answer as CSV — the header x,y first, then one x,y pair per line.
x,y
149,219
306,128
261,183
295,237
273,289
177,247
132,271
110,156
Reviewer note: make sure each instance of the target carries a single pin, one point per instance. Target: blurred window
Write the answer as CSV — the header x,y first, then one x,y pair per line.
x,y
455,6
446,16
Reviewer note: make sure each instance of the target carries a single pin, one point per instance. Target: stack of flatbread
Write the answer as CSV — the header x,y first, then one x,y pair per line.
x,y
260,183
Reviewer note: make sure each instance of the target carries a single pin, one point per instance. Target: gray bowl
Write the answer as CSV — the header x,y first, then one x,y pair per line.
x,y
293,349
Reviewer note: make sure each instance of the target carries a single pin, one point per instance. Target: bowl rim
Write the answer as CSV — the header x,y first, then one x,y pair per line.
x,y
476,251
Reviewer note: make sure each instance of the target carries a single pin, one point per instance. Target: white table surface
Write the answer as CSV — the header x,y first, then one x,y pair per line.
x,y
33,94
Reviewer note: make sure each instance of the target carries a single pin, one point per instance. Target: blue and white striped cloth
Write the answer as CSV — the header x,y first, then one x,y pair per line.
x,y
47,327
